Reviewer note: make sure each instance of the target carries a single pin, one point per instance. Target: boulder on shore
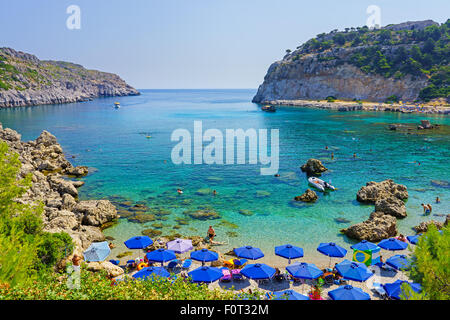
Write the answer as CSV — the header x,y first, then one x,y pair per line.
x,y
374,191
96,212
379,226
308,196
313,167
423,226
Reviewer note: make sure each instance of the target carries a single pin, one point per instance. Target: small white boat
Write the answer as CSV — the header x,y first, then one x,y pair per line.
x,y
320,184
116,105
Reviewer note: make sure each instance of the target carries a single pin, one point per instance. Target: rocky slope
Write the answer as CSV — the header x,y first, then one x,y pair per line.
x,y
27,81
405,61
63,212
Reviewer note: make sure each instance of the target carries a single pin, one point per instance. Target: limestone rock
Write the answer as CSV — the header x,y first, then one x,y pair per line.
x,y
79,171
313,167
374,191
96,212
308,196
379,226
393,206
423,226
111,269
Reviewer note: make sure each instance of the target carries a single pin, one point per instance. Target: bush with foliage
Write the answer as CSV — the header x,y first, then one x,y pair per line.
x,y
430,266
25,248
97,286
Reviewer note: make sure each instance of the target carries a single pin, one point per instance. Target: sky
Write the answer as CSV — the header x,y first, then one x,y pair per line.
x,y
178,44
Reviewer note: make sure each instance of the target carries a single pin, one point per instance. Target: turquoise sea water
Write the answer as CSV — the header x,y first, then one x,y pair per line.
x,y
130,165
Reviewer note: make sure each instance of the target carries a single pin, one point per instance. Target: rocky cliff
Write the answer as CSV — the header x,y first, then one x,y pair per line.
x,y
404,62
62,209
26,81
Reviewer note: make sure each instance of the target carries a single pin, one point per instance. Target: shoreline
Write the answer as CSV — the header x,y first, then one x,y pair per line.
x,y
364,106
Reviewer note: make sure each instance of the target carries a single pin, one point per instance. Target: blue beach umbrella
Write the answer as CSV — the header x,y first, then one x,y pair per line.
x,y
304,270
392,244
249,252
97,251
161,255
331,249
364,245
351,270
348,293
151,272
398,262
258,271
289,251
394,290
205,274
413,239
288,295
180,245
140,242
204,255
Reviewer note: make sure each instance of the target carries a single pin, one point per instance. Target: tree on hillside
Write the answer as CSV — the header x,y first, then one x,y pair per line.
x,y
431,265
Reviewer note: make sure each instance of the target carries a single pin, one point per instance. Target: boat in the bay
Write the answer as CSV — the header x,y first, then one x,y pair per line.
x,y
320,184
268,108
116,105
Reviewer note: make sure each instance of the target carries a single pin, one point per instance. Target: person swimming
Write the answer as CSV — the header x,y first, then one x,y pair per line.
x,y
438,200
180,191
214,192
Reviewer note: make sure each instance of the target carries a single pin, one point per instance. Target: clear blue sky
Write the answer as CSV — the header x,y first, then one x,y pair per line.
x,y
189,43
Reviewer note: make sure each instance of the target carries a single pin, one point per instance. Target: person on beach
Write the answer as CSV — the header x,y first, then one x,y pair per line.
x,y
426,209
401,238
76,260
211,234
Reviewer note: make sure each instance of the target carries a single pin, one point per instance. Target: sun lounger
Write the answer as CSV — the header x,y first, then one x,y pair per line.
x,y
385,267
227,276
115,262
239,263
237,275
173,264
378,289
186,264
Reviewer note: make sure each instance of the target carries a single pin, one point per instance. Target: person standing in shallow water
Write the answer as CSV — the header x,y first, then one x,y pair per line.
x,y
211,234
332,155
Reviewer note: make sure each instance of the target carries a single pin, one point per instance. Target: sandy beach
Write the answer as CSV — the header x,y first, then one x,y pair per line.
x,y
301,286
429,108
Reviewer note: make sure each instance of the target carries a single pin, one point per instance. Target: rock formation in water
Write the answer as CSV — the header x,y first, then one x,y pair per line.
x,y
63,212
406,61
308,196
379,226
388,198
27,81
313,167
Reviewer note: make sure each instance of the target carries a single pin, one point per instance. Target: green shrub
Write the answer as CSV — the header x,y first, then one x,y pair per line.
x,y
430,265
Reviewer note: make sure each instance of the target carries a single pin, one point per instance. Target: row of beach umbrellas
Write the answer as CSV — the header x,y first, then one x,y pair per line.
x,y
349,270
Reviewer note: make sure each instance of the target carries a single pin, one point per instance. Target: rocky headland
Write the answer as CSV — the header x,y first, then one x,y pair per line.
x,y
51,172
363,65
27,81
